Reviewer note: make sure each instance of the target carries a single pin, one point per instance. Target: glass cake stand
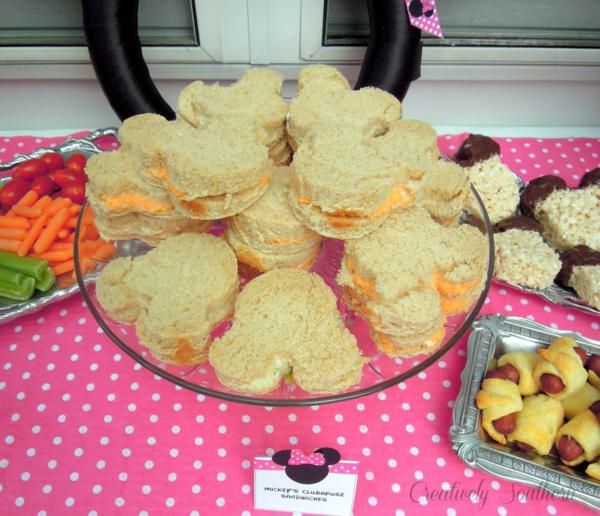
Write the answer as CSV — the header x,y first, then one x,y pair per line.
x,y
379,373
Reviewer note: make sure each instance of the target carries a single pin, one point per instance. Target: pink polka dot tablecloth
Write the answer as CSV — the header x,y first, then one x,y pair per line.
x,y
86,430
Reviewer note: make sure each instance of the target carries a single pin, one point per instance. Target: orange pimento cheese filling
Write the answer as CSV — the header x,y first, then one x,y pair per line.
x,y
130,200
400,197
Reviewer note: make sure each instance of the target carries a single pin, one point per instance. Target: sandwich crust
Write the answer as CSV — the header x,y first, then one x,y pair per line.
x,y
267,235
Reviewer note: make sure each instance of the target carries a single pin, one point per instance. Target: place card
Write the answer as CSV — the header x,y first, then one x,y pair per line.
x,y
317,483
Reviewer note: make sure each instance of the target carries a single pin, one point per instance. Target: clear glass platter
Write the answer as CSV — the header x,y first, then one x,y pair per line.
x,y
380,373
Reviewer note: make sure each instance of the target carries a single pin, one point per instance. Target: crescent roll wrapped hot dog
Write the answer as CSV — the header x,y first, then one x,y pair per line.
x,y
523,362
579,439
593,367
580,400
499,400
560,373
593,470
537,424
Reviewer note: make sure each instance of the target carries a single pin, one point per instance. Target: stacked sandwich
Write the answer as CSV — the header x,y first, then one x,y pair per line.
x,y
210,163
356,161
359,173
267,236
406,277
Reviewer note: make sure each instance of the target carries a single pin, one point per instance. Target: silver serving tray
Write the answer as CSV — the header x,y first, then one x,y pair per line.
x,y
492,336
11,310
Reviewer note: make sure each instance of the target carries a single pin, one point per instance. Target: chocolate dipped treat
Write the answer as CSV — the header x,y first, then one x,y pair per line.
x,y
580,255
537,190
590,178
518,222
475,148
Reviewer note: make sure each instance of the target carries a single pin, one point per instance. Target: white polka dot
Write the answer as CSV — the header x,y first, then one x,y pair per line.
x,y
316,429
410,428
172,477
170,502
369,475
414,450
341,440
220,502
69,502
366,451
372,501
392,463
396,487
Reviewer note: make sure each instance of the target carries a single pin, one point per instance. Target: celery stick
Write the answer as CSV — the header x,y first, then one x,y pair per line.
x,y
10,277
46,282
23,264
22,292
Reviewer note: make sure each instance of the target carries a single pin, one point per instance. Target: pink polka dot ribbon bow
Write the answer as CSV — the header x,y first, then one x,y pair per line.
x,y
297,458
423,14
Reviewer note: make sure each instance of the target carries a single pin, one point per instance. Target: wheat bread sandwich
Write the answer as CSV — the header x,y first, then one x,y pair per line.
x,y
255,98
286,322
148,228
175,294
215,172
406,277
116,186
439,186
267,235
325,98
146,137
342,188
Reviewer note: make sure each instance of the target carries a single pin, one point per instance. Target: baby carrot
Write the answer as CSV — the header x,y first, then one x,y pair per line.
x,y
43,202
75,209
8,245
63,267
10,221
60,246
13,233
29,199
104,252
27,211
72,222
32,235
58,204
55,256
92,232
50,232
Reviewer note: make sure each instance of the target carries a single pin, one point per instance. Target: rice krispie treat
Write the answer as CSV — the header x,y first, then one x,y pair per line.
x,y
496,186
581,271
479,155
571,217
586,282
523,258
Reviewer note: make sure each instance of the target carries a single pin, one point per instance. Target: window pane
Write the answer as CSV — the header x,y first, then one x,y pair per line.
x,y
556,23
59,23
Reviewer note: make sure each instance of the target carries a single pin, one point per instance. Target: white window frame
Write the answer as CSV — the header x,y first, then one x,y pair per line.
x,y
456,63
216,44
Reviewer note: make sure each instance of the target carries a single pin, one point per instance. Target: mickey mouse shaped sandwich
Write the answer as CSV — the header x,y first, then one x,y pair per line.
x,y
287,321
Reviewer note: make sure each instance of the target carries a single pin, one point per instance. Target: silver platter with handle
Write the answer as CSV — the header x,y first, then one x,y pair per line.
x,y
10,310
492,336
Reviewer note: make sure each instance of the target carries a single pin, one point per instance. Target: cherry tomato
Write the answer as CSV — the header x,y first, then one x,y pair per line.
x,y
76,162
43,185
75,192
53,160
31,169
69,176
13,191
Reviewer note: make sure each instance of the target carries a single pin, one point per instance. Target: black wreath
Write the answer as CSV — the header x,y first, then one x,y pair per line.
x,y
392,61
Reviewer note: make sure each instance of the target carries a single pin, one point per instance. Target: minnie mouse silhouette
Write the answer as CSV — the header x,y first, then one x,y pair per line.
x,y
417,8
307,469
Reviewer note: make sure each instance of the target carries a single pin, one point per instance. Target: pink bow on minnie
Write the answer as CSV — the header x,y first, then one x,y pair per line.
x,y
297,458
